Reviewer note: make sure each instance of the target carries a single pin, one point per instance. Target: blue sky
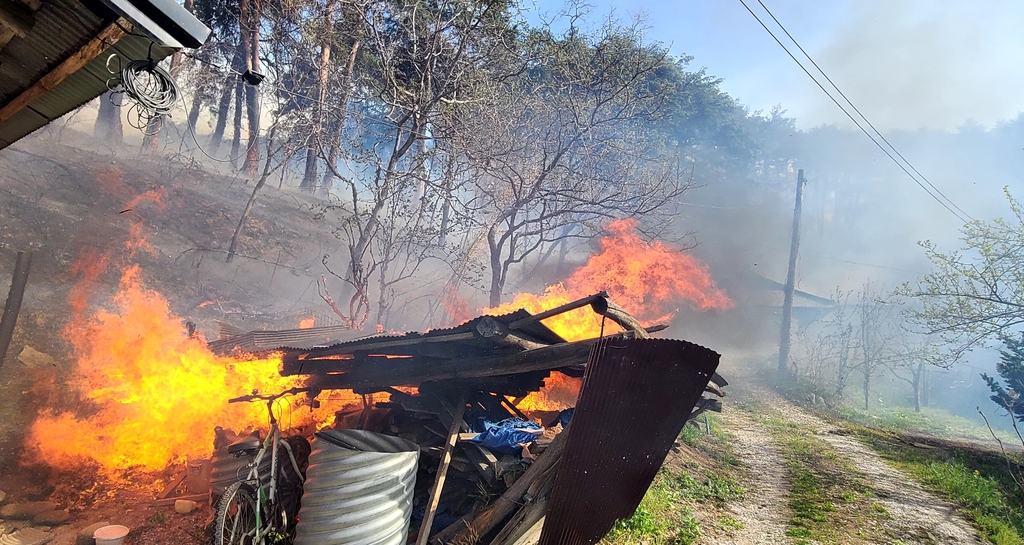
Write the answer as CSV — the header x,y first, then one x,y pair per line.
x,y
907,64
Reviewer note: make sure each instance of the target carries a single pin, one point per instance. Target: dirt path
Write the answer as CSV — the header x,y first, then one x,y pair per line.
x,y
915,515
763,509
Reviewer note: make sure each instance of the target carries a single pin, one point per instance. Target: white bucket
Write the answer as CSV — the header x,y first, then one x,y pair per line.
x,y
110,535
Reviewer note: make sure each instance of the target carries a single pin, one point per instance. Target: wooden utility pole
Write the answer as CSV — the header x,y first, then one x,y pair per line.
x,y
787,303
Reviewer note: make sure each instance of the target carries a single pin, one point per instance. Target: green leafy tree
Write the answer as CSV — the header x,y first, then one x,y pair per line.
x,y
975,293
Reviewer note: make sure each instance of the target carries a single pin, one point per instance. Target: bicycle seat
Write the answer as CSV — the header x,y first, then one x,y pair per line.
x,y
245,445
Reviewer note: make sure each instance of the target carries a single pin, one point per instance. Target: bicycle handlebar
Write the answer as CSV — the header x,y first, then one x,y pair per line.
x,y
255,396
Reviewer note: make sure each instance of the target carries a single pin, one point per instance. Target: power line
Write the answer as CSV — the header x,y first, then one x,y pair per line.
x,y
962,216
862,116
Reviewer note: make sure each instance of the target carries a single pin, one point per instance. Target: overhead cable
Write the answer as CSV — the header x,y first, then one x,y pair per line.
x,y
905,165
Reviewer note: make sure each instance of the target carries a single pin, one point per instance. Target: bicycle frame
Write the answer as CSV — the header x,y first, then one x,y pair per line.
x,y
266,500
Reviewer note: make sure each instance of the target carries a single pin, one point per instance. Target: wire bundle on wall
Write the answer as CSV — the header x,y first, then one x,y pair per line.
x,y
151,90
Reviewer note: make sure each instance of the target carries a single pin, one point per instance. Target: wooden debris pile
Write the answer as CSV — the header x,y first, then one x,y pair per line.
x,y
442,390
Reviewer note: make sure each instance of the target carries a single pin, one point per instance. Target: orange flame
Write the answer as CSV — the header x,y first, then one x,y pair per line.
x,y
150,394
307,323
649,280
153,394
559,392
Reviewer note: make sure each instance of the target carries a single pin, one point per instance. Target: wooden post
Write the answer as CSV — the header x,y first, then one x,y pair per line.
x,y
13,306
446,459
787,303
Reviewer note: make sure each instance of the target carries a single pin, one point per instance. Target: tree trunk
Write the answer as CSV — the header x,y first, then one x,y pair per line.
x,y
925,388
496,283
308,183
151,138
250,31
844,355
108,121
917,387
193,113
236,141
327,182
446,205
338,126
310,176
867,384
223,107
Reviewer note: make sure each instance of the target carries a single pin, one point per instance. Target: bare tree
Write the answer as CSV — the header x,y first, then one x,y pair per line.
x,y
975,293
564,141
423,61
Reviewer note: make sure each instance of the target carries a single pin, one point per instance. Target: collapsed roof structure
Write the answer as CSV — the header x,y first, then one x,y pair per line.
x,y
636,395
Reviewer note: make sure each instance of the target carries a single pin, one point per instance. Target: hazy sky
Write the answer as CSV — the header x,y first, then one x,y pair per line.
x,y
906,64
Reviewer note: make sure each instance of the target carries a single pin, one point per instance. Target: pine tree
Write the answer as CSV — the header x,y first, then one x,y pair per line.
x,y
1009,395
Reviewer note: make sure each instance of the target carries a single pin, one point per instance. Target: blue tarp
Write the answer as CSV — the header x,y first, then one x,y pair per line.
x,y
506,436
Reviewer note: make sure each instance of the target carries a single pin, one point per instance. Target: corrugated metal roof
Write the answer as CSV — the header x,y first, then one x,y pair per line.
x,y
536,332
637,394
294,339
62,27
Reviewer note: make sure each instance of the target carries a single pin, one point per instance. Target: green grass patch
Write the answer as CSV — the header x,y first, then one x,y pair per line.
x,y
715,445
667,514
929,421
661,519
828,497
979,483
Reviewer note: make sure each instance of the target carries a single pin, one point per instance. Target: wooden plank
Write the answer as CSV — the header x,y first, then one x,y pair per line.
x,y
413,370
14,298
468,530
483,460
17,17
446,458
6,35
172,486
170,501
96,46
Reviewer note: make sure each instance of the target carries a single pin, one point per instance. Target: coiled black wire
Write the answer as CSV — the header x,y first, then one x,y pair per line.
x,y
151,90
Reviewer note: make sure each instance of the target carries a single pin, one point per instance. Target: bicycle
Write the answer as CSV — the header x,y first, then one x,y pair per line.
x,y
251,511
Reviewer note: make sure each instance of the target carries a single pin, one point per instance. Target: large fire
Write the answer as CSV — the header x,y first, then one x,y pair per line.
x,y
151,393
648,279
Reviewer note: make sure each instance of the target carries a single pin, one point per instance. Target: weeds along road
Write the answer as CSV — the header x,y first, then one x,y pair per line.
x,y
810,481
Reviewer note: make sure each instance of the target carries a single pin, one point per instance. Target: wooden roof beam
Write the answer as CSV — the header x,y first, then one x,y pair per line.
x,y
94,48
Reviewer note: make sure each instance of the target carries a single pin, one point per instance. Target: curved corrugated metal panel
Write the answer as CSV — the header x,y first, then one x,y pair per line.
x,y
358,491
227,469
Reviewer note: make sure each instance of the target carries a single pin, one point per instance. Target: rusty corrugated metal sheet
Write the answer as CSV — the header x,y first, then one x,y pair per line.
x,y
636,397
302,339
536,332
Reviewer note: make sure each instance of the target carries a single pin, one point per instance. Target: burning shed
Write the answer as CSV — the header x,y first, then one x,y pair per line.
x,y
491,466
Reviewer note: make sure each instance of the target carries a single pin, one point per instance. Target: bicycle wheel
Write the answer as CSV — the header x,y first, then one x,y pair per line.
x,y
236,516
